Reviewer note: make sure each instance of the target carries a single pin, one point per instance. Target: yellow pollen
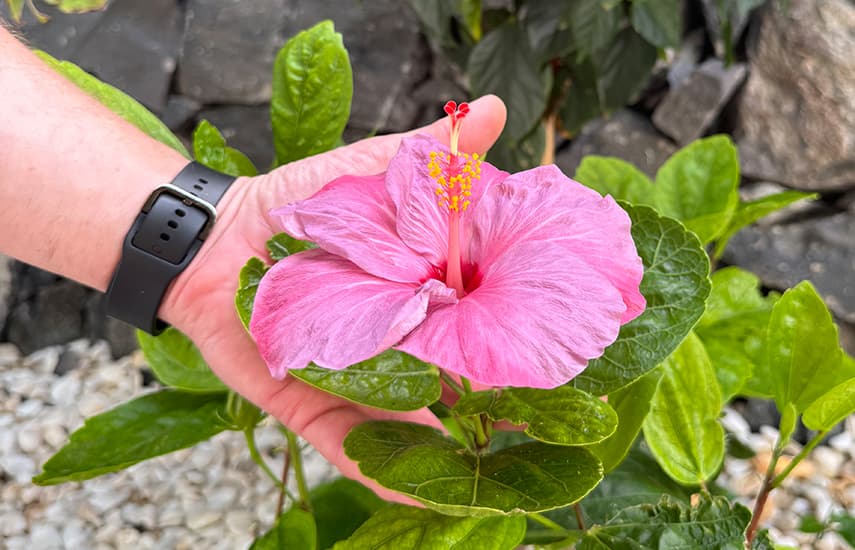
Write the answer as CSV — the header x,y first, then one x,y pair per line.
x,y
452,186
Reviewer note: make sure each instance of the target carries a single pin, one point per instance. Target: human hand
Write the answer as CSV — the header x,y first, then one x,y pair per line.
x,y
201,302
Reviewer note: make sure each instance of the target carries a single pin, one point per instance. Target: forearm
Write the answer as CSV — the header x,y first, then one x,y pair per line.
x,y
73,175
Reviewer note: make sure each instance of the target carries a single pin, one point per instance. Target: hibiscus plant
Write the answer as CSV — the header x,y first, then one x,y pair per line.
x,y
566,334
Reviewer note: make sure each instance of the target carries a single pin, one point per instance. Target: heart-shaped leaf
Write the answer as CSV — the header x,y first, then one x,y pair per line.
x,y
176,362
210,149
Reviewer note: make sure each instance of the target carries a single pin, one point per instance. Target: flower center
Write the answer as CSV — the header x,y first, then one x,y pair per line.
x,y
454,173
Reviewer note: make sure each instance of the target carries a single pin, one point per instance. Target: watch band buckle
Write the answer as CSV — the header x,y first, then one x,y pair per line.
x,y
190,200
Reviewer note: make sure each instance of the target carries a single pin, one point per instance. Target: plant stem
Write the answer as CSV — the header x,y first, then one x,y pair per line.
x,y
763,495
467,386
299,475
549,148
285,467
798,458
546,522
578,509
249,434
451,383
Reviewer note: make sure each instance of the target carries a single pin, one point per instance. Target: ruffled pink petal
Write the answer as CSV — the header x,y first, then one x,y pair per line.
x,y
317,307
543,205
354,217
536,319
421,222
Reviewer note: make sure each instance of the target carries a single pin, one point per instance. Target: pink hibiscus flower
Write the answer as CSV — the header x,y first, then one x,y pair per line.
x,y
508,280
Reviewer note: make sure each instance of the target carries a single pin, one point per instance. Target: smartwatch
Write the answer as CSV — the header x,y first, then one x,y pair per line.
x,y
166,235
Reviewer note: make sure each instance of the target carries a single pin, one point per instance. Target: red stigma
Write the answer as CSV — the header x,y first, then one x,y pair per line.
x,y
456,112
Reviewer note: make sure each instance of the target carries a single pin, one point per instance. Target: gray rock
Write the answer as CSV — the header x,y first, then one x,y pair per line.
x,y
793,212
53,316
820,249
135,48
691,108
686,58
5,288
246,128
62,35
387,53
626,135
69,360
179,112
229,48
796,115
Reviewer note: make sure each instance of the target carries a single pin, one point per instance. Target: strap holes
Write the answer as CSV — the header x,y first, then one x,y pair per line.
x,y
197,187
203,180
173,224
180,213
164,237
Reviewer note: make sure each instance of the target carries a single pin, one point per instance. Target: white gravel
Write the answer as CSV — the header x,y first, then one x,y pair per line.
x,y
213,496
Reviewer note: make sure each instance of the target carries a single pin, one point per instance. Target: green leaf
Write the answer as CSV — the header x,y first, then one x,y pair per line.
x,y
675,285
471,11
312,90
682,427
582,101
504,64
749,212
697,185
713,523
637,480
615,177
440,473
78,6
623,68
733,330
632,404
407,527
118,102
148,426
176,362
250,277
548,25
282,245
16,9
294,530
340,507
392,380
517,156
210,149
845,527
594,23
658,21
561,416
802,346
831,407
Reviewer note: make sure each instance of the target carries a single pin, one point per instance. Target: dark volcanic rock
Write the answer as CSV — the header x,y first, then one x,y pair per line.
x,y
796,121
5,288
60,36
229,48
53,316
691,108
135,48
246,128
819,249
626,135
179,112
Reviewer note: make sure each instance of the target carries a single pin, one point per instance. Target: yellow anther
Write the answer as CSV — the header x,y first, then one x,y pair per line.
x,y
453,179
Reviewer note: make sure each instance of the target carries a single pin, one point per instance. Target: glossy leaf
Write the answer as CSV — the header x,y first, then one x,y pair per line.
x,y
582,101
623,68
504,64
392,380
697,185
631,403
294,530
733,330
548,25
638,479
440,473
210,149
412,528
561,416
749,212
594,24
615,177
675,284
712,523
249,279
471,12
282,245
312,90
148,426
78,6
658,21
682,426
117,101
340,507
802,346
176,362
831,407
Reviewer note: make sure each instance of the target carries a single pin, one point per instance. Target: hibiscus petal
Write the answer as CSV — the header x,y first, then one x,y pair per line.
x,y
421,222
318,307
354,217
544,205
537,318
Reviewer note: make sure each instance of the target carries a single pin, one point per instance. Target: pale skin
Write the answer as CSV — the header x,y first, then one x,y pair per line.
x,y
74,177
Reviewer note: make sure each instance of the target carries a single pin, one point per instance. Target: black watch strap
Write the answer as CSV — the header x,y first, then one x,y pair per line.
x,y
167,234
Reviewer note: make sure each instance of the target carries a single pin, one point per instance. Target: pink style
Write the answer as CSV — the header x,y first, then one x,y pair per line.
x,y
508,280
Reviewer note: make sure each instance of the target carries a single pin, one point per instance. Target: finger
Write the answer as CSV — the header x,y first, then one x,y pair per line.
x,y
300,179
